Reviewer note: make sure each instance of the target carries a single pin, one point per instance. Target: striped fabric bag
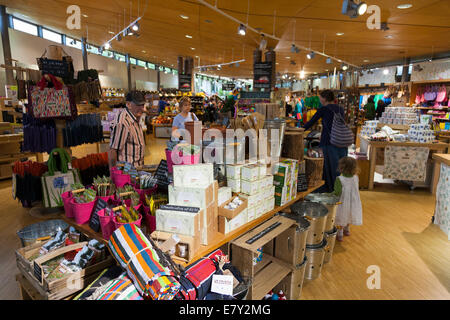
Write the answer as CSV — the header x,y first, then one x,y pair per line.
x,y
134,252
121,288
341,135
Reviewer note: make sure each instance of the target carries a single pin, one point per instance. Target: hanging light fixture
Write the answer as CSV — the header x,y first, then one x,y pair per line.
x,y
311,55
129,32
135,26
242,29
107,46
344,67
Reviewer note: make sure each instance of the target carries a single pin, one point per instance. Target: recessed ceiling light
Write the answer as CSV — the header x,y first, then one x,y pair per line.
x,y
111,32
192,48
388,36
276,62
366,60
404,6
340,34
85,15
288,57
182,16
144,51
196,56
189,36
164,61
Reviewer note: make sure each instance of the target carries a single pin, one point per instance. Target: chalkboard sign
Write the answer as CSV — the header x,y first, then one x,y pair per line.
x,y
184,82
38,272
262,75
302,183
162,176
59,68
228,86
94,222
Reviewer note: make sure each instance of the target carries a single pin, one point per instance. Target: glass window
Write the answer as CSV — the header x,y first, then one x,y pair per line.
x,y
151,65
132,60
175,71
52,36
73,43
108,54
141,63
92,49
25,27
120,57
161,68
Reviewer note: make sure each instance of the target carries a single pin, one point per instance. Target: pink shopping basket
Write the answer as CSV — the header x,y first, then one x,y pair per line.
x,y
82,211
66,197
107,224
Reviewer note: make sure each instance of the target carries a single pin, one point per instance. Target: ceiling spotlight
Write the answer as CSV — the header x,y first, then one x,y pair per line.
x,y
85,15
219,67
311,55
389,37
242,30
119,37
188,36
107,46
384,26
135,26
129,32
339,33
344,67
385,71
263,43
111,32
328,61
182,16
192,48
353,10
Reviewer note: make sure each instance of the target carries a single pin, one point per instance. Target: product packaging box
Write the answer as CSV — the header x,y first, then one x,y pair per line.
x,y
200,197
186,248
260,210
281,195
250,172
233,171
235,185
262,171
231,213
226,225
179,219
249,187
252,200
224,195
211,219
251,214
194,175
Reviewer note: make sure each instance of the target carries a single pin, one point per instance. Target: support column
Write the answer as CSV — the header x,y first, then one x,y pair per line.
x,y
6,45
406,63
84,52
158,78
128,72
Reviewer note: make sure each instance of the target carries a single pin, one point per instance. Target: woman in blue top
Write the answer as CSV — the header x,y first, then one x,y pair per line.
x,y
182,117
331,153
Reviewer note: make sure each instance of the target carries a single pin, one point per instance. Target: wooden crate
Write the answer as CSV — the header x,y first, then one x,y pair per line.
x,y
292,284
268,272
23,255
293,145
364,171
71,283
313,170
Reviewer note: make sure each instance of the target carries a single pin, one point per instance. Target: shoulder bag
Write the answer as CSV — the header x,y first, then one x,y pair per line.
x,y
341,135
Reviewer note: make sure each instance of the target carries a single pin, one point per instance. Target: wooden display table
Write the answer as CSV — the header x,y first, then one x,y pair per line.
x,y
166,132
374,146
438,158
219,239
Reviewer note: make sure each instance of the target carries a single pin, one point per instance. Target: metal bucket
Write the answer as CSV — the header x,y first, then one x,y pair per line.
x,y
315,255
281,126
40,231
316,213
301,269
303,226
331,240
330,202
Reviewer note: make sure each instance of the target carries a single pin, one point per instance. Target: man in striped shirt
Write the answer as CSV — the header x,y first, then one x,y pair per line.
x,y
127,137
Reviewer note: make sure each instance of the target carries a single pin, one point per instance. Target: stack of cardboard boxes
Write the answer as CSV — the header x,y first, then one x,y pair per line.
x,y
285,181
192,211
255,184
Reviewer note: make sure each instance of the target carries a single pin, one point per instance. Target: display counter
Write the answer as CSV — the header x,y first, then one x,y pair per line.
x,y
441,186
374,147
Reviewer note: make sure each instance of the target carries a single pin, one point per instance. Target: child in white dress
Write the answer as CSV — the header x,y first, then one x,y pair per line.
x,y
346,187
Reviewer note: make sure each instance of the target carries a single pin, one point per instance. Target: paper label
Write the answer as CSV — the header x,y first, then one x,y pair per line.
x,y
222,284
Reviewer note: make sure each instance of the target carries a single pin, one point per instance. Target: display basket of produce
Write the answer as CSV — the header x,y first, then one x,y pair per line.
x,y
83,203
127,216
41,231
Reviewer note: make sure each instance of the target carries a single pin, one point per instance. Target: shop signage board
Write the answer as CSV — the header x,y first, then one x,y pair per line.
x,y
255,95
162,175
184,82
228,86
262,75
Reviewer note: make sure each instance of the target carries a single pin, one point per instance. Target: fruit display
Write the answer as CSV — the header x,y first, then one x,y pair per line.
x,y
162,120
127,216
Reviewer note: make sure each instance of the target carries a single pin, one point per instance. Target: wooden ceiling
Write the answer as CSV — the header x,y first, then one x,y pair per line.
x,y
421,30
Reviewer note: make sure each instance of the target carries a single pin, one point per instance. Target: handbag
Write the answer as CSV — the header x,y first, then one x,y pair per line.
x,y
442,94
341,135
430,95
52,102
55,183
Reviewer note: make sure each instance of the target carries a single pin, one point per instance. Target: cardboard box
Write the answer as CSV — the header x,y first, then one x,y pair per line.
x,y
268,181
230,214
281,195
192,243
194,175
200,197
233,171
249,187
270,203
269,192
224,195
179,219
227,225
283,175
252,200
260,210
262,171
251,214
250,172
235,185
210,225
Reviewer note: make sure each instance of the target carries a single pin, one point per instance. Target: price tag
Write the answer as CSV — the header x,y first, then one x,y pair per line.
x,y
222,284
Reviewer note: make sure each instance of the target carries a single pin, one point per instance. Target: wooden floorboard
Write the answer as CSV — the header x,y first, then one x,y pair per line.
x,y
397,235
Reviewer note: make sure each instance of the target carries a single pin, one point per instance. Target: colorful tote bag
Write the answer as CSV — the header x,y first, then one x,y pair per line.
x,y
148,270
54,102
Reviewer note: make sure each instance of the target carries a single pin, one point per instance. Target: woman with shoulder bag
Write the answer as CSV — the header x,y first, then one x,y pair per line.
x,y
331,153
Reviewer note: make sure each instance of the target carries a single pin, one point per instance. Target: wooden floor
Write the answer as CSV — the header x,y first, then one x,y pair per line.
x,y
397,236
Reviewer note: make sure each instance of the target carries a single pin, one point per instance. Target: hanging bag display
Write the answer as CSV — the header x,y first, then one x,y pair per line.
x,y
341,135
442,94
430,94
55,183
52,102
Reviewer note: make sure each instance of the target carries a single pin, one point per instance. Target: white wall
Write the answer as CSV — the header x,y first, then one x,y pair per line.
x,y
26,48
432,71
378,77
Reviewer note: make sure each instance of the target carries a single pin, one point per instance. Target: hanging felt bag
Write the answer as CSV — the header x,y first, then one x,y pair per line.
x,y
430,95
55,182
341,135
51,99
442,94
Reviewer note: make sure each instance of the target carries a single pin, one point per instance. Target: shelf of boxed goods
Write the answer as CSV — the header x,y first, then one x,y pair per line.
x,y
374,146
220,239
